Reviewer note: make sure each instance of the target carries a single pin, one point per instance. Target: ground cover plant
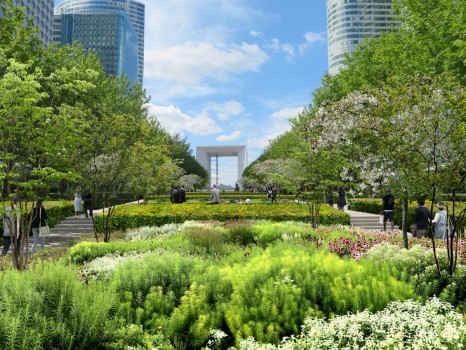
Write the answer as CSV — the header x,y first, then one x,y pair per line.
x,y
132,216
262,284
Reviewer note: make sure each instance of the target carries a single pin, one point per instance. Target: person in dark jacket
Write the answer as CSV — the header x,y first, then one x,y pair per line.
x,y
87,199
37,217
182,195
421,218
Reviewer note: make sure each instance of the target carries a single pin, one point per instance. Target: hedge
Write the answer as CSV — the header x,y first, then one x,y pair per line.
x,y
132,216
57,211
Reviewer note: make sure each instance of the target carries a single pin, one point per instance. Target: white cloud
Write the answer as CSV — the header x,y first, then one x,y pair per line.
x,y
225,110
256,34
276,46
278,123
287,113
174,120
233,136
311,39
191,63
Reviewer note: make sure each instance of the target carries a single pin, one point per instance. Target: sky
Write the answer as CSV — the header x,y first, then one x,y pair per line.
x,y
232,72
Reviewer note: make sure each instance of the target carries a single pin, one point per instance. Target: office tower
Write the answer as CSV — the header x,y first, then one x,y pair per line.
x,y
112,29
349,22
41,13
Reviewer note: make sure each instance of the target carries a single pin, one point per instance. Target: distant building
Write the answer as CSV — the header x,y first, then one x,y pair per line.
x,y
41,13
350,22
112,29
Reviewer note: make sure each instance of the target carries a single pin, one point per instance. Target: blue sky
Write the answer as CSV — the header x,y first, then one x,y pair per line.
x,y
231,72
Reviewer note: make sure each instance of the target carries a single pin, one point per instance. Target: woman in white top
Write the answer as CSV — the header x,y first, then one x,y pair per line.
x,y
78,206
440,221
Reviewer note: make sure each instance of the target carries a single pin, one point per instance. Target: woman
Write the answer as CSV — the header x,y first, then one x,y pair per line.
x,y
341,199
440,221
78,206
38,219
11,229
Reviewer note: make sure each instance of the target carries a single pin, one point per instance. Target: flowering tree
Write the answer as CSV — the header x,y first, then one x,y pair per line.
x,y
410,136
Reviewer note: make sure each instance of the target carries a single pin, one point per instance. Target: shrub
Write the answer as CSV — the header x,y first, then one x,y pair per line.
x,y
47,307
132,216
401,325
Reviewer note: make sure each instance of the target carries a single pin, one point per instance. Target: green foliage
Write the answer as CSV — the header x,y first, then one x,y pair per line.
x,y
131,216
209,238
401,325
275,290
47,307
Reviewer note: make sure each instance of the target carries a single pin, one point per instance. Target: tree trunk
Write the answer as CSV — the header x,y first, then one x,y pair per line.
x,y
404,225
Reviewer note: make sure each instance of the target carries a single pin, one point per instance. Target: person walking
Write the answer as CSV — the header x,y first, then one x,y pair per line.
x,y
421,219
78,205
274,195
87,199
388,207
341,199
440,221
11,228
37,218
215,195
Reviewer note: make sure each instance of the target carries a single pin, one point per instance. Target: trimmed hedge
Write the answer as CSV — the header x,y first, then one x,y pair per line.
x,y
57,211
132,216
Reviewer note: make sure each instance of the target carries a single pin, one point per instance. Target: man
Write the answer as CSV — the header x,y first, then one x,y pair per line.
x,y
421,218
174,198
182,194
388,204
215,195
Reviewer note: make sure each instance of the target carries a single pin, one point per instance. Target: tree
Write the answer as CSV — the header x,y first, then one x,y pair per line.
x,y
409,135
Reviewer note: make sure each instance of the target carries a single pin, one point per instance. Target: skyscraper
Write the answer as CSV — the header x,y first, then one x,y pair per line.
x,y
41,12
350,22
112,29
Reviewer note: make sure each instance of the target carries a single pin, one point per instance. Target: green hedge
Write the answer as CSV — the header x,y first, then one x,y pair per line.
x,y
57,211
132,216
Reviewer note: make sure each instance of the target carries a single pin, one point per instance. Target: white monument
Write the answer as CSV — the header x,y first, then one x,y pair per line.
x,y
204,156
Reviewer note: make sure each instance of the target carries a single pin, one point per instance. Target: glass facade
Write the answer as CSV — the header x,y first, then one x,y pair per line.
x,y
41,12
349,22
112,29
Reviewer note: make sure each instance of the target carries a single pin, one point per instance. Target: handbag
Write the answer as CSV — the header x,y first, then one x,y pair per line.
x,y
381,219
43,230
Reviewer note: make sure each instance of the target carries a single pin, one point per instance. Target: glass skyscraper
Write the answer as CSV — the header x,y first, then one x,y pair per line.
x,y
351,21
112,29
41,12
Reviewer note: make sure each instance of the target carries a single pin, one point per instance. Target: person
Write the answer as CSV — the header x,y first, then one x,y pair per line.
x,y
174,198
388,207
215,195
11,229
37,217
341,199
88,204
421,219
440,221
330,197
269,196
274,195
78,208
182,195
